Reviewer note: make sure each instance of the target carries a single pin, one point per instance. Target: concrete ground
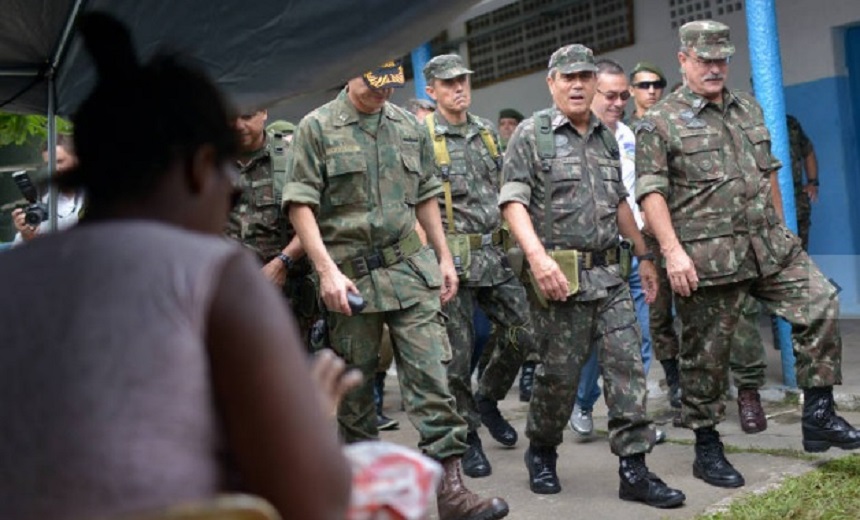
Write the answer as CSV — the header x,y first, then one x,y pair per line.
x,y
589,472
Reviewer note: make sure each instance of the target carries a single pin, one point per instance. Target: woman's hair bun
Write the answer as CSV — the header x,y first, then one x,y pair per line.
x,y
109,44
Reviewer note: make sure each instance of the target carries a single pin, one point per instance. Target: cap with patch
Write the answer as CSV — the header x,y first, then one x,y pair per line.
x,y
510,113
445,66
573,58
647,66
707,38
389,74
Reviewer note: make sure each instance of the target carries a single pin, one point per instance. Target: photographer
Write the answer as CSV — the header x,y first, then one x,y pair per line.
x,y
69,203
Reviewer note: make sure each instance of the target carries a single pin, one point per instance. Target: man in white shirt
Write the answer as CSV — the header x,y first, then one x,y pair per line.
x,y
611,96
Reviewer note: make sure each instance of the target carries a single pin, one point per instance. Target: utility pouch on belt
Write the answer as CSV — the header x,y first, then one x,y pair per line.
x,y
516,259
625,259
461,251
568,262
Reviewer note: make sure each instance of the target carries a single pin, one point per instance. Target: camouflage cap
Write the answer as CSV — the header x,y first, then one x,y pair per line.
x,y
707,38
573,58
389,74
445,66
281,127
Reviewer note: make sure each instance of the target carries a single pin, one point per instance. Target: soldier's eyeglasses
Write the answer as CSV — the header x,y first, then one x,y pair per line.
x,y
648,85
612,96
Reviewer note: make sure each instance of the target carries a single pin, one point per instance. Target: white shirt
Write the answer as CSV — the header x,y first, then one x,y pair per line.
x,y
68,209
627,147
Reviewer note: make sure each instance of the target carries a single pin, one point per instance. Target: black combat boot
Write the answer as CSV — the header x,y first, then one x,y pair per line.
x,y
711,464
822,428
673,381
475,463
491,417
383,422
540,461
527,379
640,485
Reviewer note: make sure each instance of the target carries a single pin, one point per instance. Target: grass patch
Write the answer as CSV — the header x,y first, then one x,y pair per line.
x,y
831,492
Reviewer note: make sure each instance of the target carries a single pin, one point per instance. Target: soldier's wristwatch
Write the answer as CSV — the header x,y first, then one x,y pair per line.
x,y
287,261
812,182
647,256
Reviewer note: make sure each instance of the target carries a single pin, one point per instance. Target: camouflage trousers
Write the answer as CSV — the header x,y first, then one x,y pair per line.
x,y
565,334
747,358
804,218
419,344
797,292
507,307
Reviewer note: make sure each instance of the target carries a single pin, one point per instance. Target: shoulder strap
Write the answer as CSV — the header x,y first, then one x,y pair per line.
x,y
609,142
443,161
545,142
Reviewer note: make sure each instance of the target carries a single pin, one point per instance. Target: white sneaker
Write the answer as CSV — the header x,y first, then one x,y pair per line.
x,y
660,437
581,422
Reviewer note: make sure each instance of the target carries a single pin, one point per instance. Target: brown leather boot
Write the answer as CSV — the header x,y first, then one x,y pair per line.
x,y
751,413
455,502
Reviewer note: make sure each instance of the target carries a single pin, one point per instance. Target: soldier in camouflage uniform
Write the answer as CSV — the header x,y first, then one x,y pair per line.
x,y
802,160
469,165
359,174
256,221
565,204
706,178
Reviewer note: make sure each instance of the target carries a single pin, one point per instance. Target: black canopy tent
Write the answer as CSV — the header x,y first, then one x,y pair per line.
x,y
259,52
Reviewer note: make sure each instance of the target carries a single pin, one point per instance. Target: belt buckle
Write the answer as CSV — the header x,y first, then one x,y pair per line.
x,y
487,240
374,261
587,260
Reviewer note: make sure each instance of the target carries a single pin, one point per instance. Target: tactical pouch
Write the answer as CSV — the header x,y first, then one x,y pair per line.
x,y
568,262
461,252
516,259
625,258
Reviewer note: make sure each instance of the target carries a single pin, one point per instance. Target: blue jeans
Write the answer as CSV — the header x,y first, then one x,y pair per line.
x,y
589,391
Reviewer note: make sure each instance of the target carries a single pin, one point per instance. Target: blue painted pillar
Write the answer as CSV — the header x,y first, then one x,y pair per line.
x,y
767,78
420,56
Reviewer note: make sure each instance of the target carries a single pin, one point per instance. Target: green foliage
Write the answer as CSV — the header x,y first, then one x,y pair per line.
x,y
16,129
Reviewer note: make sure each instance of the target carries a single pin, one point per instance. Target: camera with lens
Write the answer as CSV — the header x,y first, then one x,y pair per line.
x,y
36,211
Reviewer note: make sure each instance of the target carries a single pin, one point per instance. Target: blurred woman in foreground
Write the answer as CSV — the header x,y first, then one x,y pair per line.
x,y
164,353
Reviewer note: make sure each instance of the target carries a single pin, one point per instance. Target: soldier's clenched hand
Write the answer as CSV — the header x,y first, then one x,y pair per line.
x,y
450,280
681,271
551,281
275,272
333,287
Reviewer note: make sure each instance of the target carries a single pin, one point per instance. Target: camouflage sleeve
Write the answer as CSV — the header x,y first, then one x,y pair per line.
x,y
516,171
429,185
305,165
803,142
652,161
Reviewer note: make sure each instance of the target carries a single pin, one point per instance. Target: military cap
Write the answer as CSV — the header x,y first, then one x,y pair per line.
x,y
573,58
510,113
445,66
647,66
707,38
281,127
389,74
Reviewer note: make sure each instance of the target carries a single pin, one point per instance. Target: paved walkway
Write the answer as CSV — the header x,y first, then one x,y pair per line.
x,y
589,472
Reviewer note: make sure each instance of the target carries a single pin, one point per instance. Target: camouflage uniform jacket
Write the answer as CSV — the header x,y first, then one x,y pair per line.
x,y
800,147
475,182
712,166
256,221
586,191
363,190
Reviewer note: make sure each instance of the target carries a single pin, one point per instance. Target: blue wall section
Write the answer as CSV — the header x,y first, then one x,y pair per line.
x,y
824,108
